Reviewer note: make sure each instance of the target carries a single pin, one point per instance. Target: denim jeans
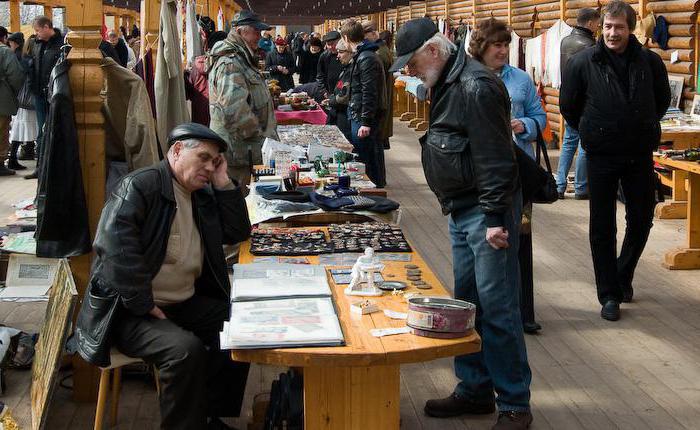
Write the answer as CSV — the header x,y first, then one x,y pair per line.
x,y
490,279
568,149
42,110
371,152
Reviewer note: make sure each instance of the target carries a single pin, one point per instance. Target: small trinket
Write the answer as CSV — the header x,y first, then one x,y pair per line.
x,y
413,272
414,278
364,307
410,266
424,287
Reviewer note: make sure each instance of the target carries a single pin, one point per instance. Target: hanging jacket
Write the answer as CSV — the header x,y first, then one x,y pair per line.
x,y
45,54
613,118
197,90
62,219
367,85
284,59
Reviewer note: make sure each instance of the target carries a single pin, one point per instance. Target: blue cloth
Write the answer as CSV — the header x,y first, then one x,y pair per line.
x,y
568,149
414,86
265,44
490,279
526,105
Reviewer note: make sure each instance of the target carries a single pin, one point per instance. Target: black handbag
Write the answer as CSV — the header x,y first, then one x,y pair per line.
x,y
538,185
25,98
92,328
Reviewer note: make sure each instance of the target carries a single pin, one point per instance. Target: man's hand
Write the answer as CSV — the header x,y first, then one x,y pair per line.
x,y
497,237
220,179
363,132
157,313
517,126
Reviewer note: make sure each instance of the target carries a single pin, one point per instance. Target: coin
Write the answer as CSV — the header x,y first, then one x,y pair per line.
x,y
413,272
414,278
424,287
410,266
418,283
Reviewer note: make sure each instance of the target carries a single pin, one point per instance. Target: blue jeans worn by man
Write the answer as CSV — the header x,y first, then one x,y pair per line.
x,y
371,152
490,278
566,157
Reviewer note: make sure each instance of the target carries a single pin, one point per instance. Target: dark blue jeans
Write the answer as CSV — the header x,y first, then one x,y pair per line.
x,y
42,110
371,152
490,279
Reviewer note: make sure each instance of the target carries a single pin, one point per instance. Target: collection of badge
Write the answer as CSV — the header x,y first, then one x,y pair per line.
x,y
282,241
356,237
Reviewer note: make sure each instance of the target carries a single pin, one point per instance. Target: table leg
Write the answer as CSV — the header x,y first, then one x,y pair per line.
x,y
689,257
678,206
344,398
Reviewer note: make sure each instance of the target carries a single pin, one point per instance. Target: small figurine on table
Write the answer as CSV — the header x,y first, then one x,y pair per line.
x,y
362,281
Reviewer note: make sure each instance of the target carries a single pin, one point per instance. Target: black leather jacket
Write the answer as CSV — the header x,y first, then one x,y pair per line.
x,y
579,39
467,153
613,119
131,241
367,85
329,68
45,55
62,219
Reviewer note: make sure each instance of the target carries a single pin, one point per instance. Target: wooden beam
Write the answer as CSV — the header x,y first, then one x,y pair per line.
x,y
150,22
84,18
48,11
14,16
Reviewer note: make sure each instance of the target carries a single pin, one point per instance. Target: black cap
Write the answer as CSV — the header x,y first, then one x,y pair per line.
x,y
410,37
331,36
246,17
17,37
192,130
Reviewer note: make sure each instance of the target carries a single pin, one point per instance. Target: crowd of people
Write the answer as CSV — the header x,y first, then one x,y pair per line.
x,y
484,121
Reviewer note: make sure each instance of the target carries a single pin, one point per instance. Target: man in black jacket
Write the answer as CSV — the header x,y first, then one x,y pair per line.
x,y
581,37
329,66
45,54
469,163
614,94
159,253
367,103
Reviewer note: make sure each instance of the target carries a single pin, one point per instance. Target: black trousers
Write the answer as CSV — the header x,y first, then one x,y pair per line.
x,y
635,175
197,379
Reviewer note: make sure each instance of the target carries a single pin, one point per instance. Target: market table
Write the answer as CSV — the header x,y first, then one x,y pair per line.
x,y
688,257
680,138
316,116
357,386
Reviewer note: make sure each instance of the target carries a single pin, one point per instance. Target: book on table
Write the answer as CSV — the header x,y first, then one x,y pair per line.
x,y
277,305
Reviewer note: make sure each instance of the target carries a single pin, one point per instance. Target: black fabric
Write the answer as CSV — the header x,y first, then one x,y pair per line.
x,y
527,295
613,120
133,233
338,102
286,407
548,192
579,39
62,217
122,52
329,69
285,59
109,51
45,55
197,379
532,176
661,35
381,204
367,85
467,154
308,66
636,175
620,64
289,196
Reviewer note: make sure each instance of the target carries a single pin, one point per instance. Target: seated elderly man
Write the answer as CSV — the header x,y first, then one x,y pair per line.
x,y
159,288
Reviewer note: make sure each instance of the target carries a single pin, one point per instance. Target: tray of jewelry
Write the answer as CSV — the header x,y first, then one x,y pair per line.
x,y
381,237
308,134
286,242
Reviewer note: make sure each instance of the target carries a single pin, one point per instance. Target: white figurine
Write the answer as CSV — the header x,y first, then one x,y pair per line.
x,y
362,282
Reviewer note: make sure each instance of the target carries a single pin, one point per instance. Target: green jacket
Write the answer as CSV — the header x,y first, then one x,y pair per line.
x,y
11,81
387,59
240,105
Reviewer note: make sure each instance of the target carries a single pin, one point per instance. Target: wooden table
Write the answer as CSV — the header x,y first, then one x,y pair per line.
x,y
689,256
356,386
676,208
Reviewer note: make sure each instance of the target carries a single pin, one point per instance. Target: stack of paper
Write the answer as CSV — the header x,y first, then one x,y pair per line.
x,y
28,278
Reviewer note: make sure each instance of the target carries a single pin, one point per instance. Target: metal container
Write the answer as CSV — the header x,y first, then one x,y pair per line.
x,y
440,317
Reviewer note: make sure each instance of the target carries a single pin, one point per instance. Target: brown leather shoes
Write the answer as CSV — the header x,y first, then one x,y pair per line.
x,y
511,420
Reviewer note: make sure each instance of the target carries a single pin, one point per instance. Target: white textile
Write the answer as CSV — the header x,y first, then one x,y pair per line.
x,y
193,43
514,49
552,71
24,126
533,58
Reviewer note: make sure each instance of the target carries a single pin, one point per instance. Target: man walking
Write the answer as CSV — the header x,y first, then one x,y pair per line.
x,y
581,37
615,94
469,163
240,105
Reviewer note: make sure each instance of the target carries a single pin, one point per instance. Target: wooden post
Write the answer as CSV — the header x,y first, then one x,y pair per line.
x,y
14,16
84,18
510,11
150,22
48,11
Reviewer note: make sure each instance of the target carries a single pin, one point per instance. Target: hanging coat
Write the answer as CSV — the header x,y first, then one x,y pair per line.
x,y
171,107
193,42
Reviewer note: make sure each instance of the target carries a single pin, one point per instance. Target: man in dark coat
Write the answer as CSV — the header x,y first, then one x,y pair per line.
x,y
159,255
387,58
280,64
614,94
308,62
329,65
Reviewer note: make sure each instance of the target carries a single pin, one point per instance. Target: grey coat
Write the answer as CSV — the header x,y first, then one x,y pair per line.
x,y
11,81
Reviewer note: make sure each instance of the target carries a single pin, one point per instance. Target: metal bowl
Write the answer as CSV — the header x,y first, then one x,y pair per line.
x,y
440,317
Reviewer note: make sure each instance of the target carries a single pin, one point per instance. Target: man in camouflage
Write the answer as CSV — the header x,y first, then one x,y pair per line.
x,y
240,104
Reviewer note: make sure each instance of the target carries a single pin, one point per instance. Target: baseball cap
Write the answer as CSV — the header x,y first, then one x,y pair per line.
x,y
246,17
410,37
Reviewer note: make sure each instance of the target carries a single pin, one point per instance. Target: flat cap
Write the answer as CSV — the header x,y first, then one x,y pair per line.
x,y
246,17
192,130
331,35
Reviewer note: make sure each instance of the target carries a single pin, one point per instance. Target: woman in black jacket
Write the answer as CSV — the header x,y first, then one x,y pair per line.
x,y
308,62
280,63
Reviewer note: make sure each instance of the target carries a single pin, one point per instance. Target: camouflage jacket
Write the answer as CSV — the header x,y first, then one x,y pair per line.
x,y
240,104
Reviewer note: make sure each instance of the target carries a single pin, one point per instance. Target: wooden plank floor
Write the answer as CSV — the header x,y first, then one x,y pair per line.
x,y
642,372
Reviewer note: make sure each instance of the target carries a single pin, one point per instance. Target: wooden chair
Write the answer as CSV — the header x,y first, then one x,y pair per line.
x,y
117,360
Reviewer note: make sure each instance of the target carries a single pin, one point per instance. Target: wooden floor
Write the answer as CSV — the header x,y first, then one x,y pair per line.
x,y
642,372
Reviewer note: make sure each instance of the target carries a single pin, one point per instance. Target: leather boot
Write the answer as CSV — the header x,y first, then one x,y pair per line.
x,y
27,151
12,160
454,405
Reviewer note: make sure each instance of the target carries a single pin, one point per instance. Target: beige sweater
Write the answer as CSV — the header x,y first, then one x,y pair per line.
x,y
184,255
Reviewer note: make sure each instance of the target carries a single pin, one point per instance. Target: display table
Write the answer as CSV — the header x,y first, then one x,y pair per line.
x,y
413,100
688,257
316,116
357,386
679,137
